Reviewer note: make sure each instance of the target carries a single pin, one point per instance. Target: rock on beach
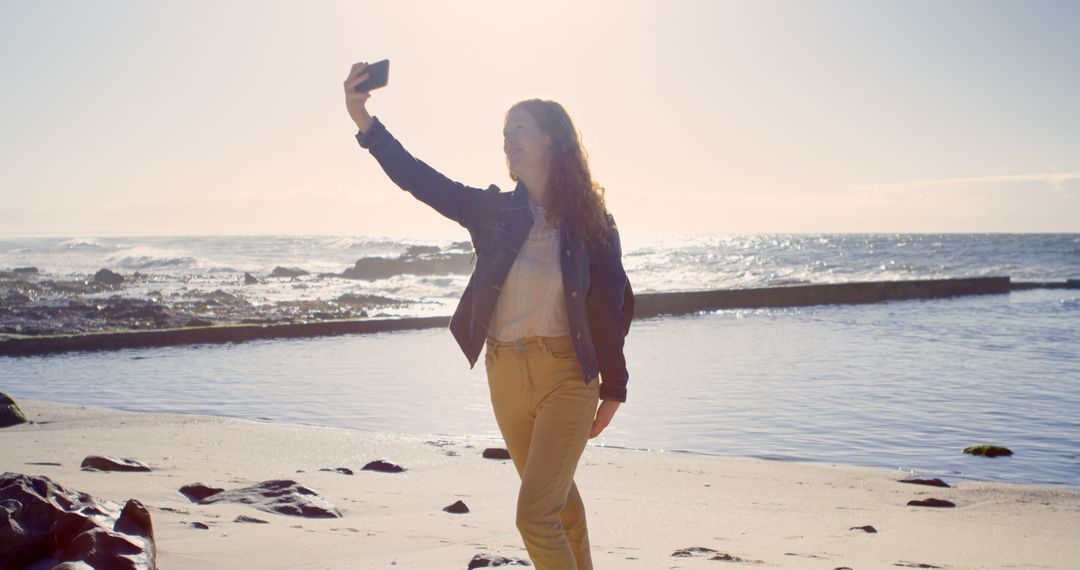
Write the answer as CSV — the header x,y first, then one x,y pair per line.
x,y
10,414
101,463
49,526
280,496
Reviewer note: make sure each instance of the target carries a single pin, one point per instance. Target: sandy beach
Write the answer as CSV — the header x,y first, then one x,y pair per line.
x,y
643,506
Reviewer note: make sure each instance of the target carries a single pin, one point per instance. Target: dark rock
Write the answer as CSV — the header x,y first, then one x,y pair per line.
x,y
931,503
100,463
728,557
10,414
342,470
417,260
715,554
250,279
691,551
492,561
287,272
14,297
44,525
247,519
108,278
280,496
197,322
457,508
906,564
988,450
496,453
223,296
25,270
199,491
382,466
356,300
134,311
135,519
868,529
48,463
930,482
200,526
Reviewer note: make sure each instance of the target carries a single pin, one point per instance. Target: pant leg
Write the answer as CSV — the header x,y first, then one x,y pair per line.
x,y
563,420
508,385
545,411
577,531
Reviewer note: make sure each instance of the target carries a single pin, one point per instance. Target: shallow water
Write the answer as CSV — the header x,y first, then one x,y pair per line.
x,y
900,385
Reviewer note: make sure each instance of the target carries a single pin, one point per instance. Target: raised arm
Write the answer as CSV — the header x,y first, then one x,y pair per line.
x,y
452,199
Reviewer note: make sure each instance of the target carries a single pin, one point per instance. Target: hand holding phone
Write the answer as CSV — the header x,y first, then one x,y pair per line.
x,y
378,76
361,80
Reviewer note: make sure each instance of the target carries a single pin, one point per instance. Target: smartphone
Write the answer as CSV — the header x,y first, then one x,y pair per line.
x,y
378,76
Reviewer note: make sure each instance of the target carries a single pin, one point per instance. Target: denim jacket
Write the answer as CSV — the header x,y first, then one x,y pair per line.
x,y
599,300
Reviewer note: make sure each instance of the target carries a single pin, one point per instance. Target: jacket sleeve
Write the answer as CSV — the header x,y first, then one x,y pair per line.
x,y
607,315
454,200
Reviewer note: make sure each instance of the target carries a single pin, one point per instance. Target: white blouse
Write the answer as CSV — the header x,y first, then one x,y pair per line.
x,y
531,300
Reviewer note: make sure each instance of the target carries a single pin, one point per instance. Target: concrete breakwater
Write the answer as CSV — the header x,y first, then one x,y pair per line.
x,y
647,305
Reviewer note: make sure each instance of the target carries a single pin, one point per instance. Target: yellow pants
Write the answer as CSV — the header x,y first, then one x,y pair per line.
x,y
545,411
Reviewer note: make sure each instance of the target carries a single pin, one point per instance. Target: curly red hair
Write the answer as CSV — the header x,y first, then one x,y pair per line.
x,y
572,196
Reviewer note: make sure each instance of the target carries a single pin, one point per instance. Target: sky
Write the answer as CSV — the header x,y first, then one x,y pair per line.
x,y
699,117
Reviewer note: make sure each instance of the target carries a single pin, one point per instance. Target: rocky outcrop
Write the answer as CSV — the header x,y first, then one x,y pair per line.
x,y
280,496
417,260
382,466
280,271
10,414
101,463
108,278
44,525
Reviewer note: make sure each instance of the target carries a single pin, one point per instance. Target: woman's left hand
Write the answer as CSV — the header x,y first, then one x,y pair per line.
x,y
603,416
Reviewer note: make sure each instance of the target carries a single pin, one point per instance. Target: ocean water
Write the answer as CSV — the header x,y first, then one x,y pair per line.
x,y
179,265
899,385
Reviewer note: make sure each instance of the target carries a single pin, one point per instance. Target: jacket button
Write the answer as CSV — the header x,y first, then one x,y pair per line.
x,y
573,294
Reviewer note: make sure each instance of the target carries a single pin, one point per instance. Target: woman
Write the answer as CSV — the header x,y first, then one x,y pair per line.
x,y
548,297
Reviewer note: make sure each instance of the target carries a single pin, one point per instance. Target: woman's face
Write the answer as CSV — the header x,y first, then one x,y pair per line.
x,y
523,142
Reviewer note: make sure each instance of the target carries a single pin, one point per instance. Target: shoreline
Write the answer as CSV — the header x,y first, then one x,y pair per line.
x,y
952,477
647,305
783,514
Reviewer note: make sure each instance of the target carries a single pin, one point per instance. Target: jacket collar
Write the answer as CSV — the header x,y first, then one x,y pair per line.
x,y
519,199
